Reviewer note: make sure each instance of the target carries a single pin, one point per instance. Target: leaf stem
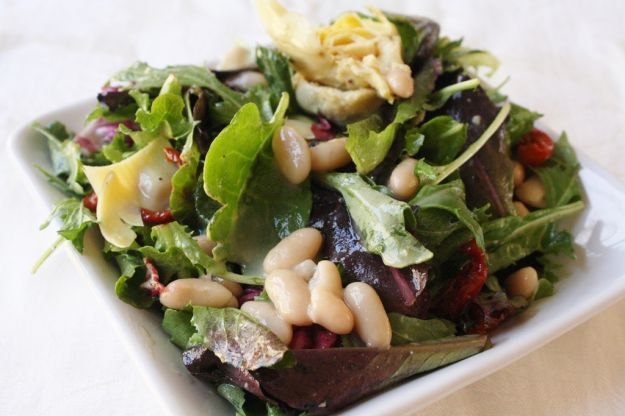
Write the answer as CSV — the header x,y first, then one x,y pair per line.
x,y
44,256
448,169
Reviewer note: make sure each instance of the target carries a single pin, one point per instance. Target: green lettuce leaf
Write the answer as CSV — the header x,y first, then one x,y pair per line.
x,y
65,155
177,324
259,206
520,122
510,239
368,143
277,71
449,197
444,138
168,108
455,56
236,338
407,329
559,175
438,98
380,220
75,220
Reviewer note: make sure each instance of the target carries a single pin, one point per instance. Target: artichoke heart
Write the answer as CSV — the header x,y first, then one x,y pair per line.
x,y
353,54
125,187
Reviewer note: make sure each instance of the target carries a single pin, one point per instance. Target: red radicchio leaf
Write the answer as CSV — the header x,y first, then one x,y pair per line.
x,y
152,283
322,129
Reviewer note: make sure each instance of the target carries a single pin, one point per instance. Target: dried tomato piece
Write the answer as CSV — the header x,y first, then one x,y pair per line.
x,y
465,286
152,283
90,201
172,155
150,217
535,148
322,129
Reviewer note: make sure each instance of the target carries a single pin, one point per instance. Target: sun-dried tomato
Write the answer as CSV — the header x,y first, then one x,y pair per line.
x,y
322,129
90,201
535,148
150,217
172,155
465,286
152,283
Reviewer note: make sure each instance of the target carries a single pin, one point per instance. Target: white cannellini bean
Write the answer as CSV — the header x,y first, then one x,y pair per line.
x,y
327,277
233,287
521,209
400,81
298,246
532,193
198,292
245,80
518,174
236,58
329,155
523,282
305,269
205,244
292,154
266,314
372,324
330,311
290,295
403,183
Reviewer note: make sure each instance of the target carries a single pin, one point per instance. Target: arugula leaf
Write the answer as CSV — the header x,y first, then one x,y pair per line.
x,y
410,37
449,197
177,324
510,239
168,108
440,97
381,221
428,174
143,77
413,141
444,138
520,122
173,235
259,206
368,144
236,338
559,175
456,57
407,329
277,71
64,154
235,396
128,285
75,220
170,263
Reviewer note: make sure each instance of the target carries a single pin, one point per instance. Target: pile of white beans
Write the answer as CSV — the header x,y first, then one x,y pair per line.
x,y
301,291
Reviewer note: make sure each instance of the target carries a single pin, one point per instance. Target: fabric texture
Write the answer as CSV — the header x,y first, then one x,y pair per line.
x,y
59,355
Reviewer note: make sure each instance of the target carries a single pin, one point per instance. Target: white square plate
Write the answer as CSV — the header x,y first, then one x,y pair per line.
x,y
594,281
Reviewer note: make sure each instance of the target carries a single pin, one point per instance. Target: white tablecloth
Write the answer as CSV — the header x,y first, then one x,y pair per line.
x,y
58,355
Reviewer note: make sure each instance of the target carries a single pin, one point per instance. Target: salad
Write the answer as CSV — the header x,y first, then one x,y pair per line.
x,y
319,219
